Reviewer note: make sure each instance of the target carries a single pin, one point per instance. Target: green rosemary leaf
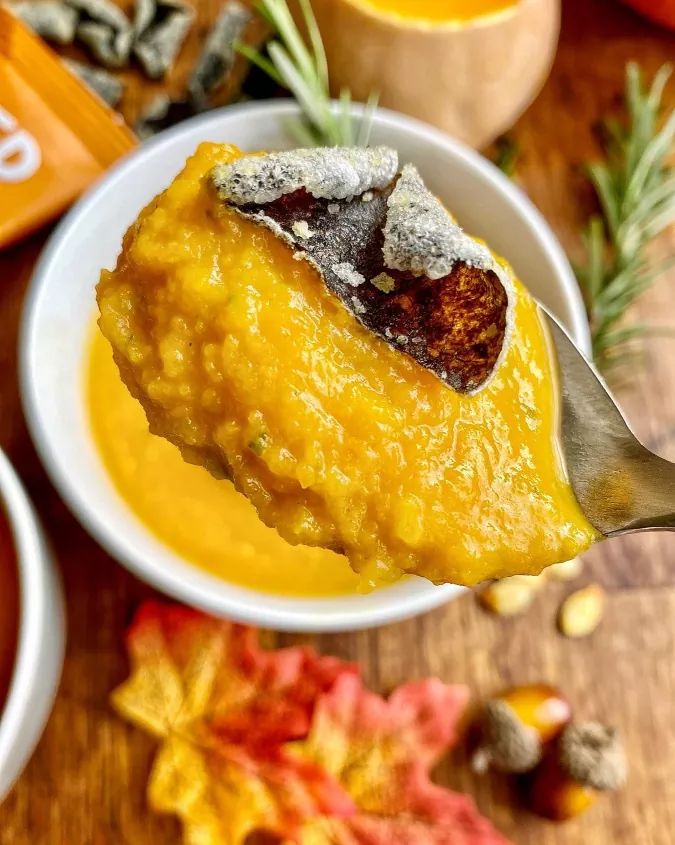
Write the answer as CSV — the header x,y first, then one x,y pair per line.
x,y
317,43
344,114
366,122
506,154
605,188
261,8
635,187
618,337
594,238
256,58
652,202
302,132
295,47
303,69
647,169
298,84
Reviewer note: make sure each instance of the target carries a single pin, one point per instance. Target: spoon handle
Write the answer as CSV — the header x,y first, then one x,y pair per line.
x,y
647,484
621,486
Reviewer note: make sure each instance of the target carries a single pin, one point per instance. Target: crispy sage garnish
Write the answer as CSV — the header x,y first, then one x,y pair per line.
x,y
144,13
108,87
108,47
337,210
160,28
217,56
101,11
161,113
105,30
50,19
327,172
419,235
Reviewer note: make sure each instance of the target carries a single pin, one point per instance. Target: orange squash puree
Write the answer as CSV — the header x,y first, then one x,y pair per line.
x,y
439,10
9,607
204,520
241,355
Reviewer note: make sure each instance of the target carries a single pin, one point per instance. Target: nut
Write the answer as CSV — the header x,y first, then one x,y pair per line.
x,y
592,754
539,706
509,744
555,796
510,596
566,571
581,612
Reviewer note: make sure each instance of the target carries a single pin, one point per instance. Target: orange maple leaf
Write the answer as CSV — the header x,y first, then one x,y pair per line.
x,y
223,707
381,752
288,742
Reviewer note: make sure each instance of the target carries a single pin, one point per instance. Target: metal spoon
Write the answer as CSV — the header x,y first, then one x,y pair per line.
x,y
621,486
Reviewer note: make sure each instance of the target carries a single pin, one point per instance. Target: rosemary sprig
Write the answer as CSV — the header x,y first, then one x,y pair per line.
x,y
506,154
303,69
635,186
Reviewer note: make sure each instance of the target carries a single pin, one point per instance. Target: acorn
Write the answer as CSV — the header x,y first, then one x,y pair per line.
x,y
588,759
517,724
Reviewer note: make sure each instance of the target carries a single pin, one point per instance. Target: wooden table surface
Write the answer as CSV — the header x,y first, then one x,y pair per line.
x,y
86,782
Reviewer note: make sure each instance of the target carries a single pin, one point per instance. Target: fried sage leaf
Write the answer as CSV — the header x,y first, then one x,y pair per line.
x,y
160,28
218,53
108,87
454,324
108,47
161,113
105,30
325,172
50,19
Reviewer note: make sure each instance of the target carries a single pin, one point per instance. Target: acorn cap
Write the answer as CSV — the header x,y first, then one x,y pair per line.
x,y
592,754
512,745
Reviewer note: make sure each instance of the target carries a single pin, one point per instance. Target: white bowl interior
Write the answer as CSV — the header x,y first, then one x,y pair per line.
x,y
61,303
39,655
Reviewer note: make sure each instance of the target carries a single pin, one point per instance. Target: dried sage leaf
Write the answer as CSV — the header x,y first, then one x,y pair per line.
x,y
50,19
164,30
386,247
108,87
454,326
161,113
101,11
108,46
217,56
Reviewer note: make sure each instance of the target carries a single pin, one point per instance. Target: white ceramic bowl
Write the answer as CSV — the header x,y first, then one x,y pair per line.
x,y
61,302
39,654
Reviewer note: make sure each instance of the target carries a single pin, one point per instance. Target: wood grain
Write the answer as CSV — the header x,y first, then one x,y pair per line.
x,y
86,781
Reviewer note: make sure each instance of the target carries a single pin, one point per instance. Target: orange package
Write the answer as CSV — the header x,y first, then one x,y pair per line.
x,y
56,137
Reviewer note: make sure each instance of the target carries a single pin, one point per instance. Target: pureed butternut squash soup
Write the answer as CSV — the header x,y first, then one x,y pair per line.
x,y
438,11
315,326
9,607
201,518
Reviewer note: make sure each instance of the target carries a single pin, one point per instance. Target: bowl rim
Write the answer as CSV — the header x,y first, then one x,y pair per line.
x,y
200,590
40,604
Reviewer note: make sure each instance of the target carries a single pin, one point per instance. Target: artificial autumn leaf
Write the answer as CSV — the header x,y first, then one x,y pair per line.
x,y
223,793
189,668
223,707
288,743
381,752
